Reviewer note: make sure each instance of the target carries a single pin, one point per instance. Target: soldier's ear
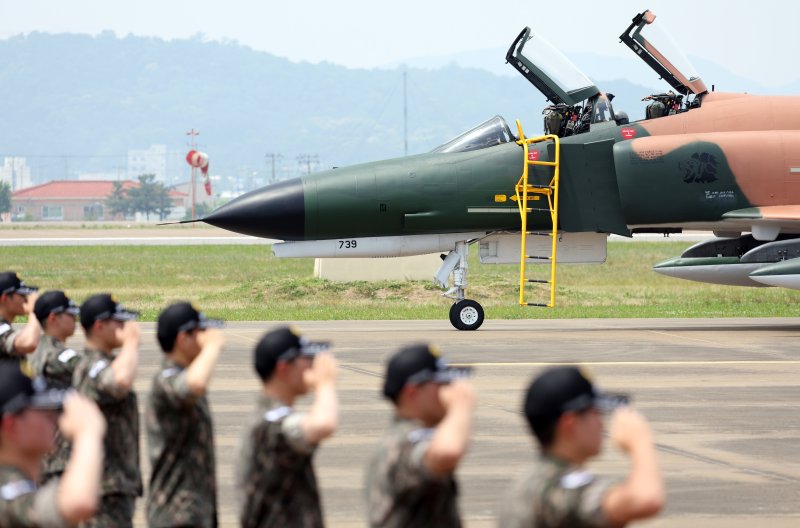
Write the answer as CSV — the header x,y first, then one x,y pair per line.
x,y
565,425
7,427
281,367
407,393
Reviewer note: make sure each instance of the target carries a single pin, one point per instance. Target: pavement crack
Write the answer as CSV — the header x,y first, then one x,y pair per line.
x,y
717,462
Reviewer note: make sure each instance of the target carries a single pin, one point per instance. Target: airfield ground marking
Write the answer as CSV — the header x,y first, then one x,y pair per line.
x,y
241,336
670,334
630,363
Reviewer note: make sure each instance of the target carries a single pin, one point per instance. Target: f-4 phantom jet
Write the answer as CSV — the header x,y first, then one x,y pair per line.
x,y
702,160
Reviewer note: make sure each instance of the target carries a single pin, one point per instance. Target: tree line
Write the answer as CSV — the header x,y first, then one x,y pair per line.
x,y
150,197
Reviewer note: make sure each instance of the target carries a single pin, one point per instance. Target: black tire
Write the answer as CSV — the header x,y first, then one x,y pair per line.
x,y
466,315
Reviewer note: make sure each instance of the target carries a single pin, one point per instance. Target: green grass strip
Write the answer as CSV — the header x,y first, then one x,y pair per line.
x,y
246,282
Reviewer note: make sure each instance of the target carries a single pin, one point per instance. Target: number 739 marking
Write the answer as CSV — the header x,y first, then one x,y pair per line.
x,y
347,244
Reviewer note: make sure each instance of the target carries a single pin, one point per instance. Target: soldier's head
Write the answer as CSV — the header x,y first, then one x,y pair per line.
x,y
179,326
28,412
57,314
414,378
563,406
103,319
283,356
13,294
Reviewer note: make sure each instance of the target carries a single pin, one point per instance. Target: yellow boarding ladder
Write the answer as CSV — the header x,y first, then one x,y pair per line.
x,y
523,190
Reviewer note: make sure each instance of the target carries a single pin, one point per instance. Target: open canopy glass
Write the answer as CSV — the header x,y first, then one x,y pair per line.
x,y
657,48
549,70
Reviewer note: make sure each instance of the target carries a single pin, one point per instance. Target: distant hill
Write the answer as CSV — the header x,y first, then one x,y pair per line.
x,y
97,97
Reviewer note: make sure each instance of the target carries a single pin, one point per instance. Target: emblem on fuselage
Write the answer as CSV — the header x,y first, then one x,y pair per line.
x,y
700,168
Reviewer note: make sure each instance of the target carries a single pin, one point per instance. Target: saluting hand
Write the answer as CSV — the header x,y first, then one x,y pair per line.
x,y
630,429
211,337
30,301
81,416
322,372
459,392
130,334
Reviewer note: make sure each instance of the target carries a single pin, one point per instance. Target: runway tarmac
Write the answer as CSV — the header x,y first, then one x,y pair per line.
x,y
721,394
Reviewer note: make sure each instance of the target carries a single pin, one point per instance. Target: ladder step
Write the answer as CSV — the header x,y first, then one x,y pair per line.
x,y
541,305
539,281
536,258
537,233
531,209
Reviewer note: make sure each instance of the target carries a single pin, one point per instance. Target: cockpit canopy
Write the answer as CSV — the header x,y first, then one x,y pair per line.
x,y
578,103
491,132
549,70
657,48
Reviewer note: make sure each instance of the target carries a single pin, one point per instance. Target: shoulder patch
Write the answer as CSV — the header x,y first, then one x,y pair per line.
x,y
169,372
97,368
278,413
13,490
5,327
576,479
418,435
66,355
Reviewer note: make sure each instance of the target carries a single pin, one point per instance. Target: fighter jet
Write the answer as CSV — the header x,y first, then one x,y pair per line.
x,y
701,160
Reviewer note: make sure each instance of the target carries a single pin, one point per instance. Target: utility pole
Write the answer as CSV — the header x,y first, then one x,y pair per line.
x,y
307,159
192,133
273,157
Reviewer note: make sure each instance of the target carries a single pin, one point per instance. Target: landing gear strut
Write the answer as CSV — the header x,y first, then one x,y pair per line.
x,y
465,314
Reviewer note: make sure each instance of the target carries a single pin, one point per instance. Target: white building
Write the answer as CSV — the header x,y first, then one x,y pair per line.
x,y
15,171
149,161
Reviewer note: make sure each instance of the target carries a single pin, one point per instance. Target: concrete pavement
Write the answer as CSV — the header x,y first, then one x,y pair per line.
x,y
721,394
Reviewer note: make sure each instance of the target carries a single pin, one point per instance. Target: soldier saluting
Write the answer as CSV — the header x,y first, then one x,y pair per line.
x,y
28,417
180,433
564,409
410,477
275,477
105,376
17,299
56,362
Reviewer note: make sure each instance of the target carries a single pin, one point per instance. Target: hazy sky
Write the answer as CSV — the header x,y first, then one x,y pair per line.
x,y
751,42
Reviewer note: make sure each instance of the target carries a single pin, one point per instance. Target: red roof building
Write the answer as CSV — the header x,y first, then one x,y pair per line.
x,y
72,200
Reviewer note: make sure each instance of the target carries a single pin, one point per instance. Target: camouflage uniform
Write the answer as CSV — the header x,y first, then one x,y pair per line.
x,y
555,494
400,491
22,505
53,360
7,337
275,478
122,482
181,447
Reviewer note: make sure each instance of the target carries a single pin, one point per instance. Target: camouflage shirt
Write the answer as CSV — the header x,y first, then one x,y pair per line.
x,y
22,505
53,360
554,494
180,441
275,481
7,337
400,491
95,379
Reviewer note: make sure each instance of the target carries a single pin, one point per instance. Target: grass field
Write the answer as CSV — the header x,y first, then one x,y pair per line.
x,y
248,283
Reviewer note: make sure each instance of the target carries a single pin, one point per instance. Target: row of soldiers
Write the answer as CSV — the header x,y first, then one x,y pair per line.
x,y
87,471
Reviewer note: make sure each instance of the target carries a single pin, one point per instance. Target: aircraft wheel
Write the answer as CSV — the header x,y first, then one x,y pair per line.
x,y
466,315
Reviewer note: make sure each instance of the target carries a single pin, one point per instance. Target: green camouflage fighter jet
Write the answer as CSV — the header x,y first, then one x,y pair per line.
x,y
722,162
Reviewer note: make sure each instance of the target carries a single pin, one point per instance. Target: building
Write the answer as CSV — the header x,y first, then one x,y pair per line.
x,y
15,172
148,161
71,200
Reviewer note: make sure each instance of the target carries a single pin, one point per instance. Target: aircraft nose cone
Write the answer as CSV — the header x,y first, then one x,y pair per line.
x,y
275,211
